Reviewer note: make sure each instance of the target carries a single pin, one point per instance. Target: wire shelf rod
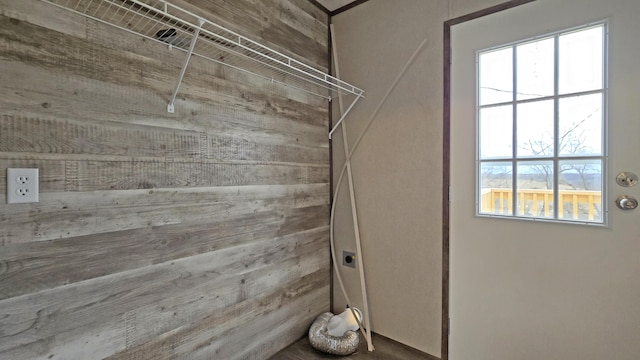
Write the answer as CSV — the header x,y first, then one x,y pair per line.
x,y
262,76
180,29
162,13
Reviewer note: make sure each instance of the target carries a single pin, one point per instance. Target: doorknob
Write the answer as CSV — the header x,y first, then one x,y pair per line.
x,y
625,202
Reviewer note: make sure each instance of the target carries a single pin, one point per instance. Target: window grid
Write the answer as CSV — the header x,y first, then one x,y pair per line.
x,y
556,159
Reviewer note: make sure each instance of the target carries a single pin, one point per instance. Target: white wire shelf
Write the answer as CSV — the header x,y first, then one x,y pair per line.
x,y
180,29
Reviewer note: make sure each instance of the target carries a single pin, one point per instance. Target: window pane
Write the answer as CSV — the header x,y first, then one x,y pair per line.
x,y
496,132
580,196
535,69
496,76
535,124
496,187
535,189
581,55
580,125
556,169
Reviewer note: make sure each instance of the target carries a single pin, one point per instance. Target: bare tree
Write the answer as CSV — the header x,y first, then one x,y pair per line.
x,y
577,175
573,142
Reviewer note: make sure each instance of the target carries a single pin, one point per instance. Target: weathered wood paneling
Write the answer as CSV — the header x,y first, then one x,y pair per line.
x,y
74,97
201,234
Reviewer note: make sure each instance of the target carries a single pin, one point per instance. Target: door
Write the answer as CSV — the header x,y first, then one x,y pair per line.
x,y
522,289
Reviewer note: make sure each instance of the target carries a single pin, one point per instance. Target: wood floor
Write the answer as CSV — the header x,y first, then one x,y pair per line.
x,y
385,349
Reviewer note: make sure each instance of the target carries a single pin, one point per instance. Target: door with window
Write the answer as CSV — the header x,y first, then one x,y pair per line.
x,y
545,113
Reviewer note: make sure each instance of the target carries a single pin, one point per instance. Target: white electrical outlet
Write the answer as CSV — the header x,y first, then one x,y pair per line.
x,y
22,186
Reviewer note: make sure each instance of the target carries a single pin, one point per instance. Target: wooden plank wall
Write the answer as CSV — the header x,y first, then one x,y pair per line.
x,y
201,234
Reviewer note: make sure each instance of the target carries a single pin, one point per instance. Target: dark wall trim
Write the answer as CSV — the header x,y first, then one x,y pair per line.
x,y
488,11
319,6
446,155
446,170
330,107
347,7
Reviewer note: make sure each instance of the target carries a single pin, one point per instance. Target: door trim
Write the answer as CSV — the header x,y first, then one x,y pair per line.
x,y
446,154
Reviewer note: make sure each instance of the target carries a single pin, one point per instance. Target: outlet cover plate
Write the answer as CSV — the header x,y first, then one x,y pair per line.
x,y
22,186
349,259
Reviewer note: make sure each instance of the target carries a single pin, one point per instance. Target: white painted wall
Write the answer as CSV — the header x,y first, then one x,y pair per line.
x,y
398,167
398,187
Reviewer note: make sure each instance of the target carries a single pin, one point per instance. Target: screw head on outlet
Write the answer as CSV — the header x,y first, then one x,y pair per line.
x,y
22,186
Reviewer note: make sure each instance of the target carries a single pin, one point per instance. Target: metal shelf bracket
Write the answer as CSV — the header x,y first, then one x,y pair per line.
x,y
196,33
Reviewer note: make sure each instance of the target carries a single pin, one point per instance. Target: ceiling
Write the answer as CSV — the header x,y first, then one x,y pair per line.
x,y
332,5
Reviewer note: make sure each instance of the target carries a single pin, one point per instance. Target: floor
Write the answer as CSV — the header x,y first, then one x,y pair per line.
x,y
385,349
